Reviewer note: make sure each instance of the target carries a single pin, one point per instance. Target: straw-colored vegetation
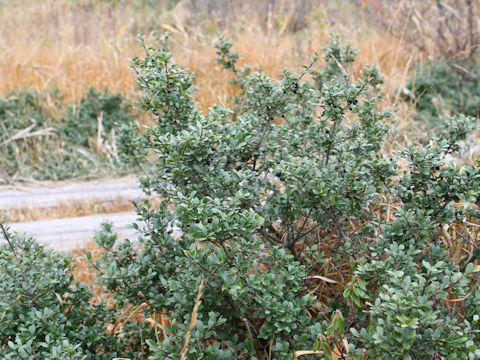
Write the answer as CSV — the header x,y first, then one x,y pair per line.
x,y
73,45
67,210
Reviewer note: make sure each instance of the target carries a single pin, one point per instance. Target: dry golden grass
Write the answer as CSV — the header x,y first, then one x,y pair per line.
x,y
65,45
82,271
73,209
67,210
72,45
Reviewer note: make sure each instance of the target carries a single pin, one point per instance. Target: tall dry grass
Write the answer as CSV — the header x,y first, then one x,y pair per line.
x,y
72,45
55,44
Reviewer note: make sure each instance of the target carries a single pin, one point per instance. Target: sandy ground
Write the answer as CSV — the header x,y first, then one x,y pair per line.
x,y
49,195
71,233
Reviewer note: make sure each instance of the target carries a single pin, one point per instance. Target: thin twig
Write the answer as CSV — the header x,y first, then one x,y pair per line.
x,y
193,321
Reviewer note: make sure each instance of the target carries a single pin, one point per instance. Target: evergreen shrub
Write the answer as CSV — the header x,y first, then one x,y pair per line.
x,y
285,228
43,312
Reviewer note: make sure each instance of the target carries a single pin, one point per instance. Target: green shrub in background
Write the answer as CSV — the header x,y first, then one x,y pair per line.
x,y
21,113
28,107
443,87
268,194
41,141
96,108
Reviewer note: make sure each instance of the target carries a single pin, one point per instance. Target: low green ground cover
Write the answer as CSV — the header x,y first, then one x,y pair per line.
x,y
444,87
43,138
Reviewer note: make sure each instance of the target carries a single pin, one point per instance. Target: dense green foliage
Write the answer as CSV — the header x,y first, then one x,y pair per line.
x,y
38,140
46,314
283,226
267,193
82,120
443,87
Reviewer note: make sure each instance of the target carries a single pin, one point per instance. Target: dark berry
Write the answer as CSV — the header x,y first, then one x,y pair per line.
x,y
355,102
209,221
207,162
278,174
